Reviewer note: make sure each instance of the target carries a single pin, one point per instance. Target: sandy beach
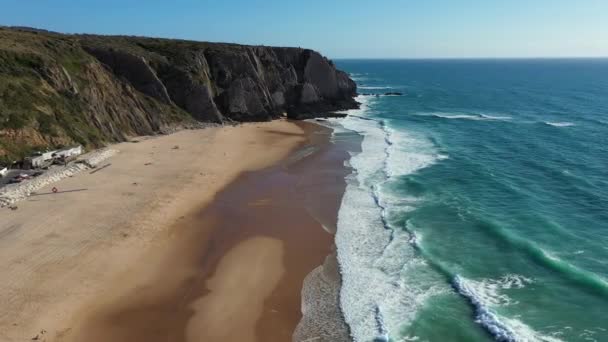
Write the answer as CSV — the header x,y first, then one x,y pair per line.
x,y
182,238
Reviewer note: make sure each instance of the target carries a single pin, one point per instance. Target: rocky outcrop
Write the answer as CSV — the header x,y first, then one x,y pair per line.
x,y
218,81
134,69
95,89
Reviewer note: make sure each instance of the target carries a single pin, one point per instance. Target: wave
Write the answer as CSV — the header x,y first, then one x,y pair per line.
x,y
559,124
476,117
407,153
358,77
485,296
492,117
370,249
579,276
377,258
374,87
486,117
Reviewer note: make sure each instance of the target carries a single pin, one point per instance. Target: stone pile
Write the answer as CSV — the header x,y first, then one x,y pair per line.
x,y
12,193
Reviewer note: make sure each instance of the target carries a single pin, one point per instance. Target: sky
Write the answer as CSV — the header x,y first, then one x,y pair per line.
x,y
343,28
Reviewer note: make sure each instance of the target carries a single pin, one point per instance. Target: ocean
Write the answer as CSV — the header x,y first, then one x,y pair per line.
x,y
477,209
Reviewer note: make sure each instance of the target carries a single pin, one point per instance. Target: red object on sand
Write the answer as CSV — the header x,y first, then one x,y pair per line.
x,y
54,189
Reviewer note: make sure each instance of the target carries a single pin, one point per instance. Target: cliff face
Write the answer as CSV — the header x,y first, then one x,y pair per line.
x,y
62,89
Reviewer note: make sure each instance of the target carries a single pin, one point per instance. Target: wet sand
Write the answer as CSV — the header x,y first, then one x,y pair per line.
x,y
234,270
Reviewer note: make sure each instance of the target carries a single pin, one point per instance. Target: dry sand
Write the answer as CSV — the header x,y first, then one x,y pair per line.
x,y
63,256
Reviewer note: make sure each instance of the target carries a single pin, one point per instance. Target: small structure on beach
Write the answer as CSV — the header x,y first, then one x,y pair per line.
x,y
38,160
45,159
68,152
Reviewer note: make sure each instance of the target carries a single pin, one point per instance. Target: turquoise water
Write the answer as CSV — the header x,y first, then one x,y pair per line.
x,y
478,207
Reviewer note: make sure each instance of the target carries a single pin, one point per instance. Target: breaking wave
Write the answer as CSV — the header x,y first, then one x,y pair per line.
x,y
486,296
477,117
464,187
370,249
377,258
486,117
374,87
578,276
559,124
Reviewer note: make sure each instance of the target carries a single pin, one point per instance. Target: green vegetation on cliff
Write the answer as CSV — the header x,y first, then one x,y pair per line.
x,y
60,89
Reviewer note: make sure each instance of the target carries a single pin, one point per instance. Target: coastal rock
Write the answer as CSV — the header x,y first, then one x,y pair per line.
x,y
278,98
114,107
308,94
191,89
92,90
59,78
320,73
347,88
134,69
245,101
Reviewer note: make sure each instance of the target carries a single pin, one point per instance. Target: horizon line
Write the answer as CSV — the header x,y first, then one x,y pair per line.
x,y
470,58
51,31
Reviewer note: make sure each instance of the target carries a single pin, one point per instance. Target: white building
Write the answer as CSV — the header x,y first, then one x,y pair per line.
x,y
47,155
45,159
37,161
68,152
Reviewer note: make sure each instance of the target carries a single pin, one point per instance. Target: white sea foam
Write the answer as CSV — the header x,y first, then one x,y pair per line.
x,y
559,124
476,117
486,297
495,117
358,77
374,87
458,116
378,295
408,153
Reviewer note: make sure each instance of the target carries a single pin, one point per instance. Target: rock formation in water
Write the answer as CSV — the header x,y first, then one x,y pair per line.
x,y
60,89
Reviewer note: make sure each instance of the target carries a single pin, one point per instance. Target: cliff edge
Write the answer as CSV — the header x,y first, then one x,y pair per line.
x,y
60,89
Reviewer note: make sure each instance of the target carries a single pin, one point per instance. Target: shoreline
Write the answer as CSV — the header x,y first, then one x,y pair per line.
x,y
170,256
245,261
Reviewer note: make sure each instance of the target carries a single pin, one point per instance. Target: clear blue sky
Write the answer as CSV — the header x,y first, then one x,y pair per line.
x,y
343,28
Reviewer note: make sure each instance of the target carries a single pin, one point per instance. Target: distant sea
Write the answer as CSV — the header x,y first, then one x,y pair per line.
x,y
478,207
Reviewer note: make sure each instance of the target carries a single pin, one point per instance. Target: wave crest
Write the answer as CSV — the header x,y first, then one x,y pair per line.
x,y
485,296
559,124
476,117
374,87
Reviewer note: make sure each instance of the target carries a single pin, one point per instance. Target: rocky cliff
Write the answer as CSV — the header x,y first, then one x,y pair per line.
x,y
62,89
